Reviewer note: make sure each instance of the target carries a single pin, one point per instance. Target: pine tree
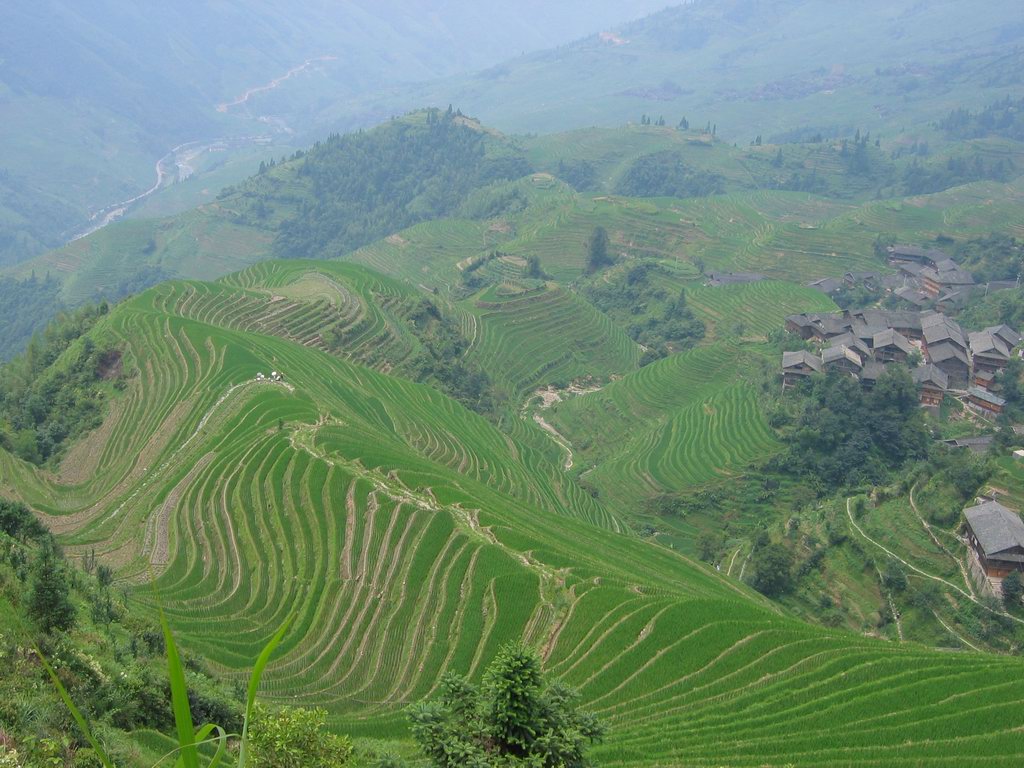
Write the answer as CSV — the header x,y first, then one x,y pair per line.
x,y
49,603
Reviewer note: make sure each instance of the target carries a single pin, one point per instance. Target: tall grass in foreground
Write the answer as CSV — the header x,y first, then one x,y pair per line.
x,y
189,737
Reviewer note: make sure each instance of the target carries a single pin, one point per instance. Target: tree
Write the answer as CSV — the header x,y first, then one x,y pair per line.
x,y
597,250
1013,589
49,603
295,738
773,572
515,718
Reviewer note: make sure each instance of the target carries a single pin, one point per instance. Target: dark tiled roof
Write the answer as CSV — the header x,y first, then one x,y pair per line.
x,y
872,370
997,529
801,357
985,396
989,344
929,374
835,354
937,328
939,353
891,338
1006,333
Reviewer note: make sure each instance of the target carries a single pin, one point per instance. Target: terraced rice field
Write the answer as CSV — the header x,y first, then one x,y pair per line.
x,y
543,336
412,537
673,424
752,310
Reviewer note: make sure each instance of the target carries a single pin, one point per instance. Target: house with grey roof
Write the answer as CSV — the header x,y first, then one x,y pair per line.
x,y
996,538
945,277
986,402
989,351
827,285
891,346
914,253
1009,336
854,342
953,361
797,366
842,358
932,383
913,296
871,373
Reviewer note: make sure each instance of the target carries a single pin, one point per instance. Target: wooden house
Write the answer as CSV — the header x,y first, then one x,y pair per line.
x,y
944,278
827,285
891,346
953,360
984,401
855,342
797,366
1009,336
915,254
870,374
989,351
996,538
932,383
842,358
870,280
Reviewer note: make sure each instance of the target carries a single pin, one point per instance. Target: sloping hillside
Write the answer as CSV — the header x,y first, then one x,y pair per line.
x,y
412,538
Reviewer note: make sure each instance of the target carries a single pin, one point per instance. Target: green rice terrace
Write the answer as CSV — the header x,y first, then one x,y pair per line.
x,y
412,537
531,410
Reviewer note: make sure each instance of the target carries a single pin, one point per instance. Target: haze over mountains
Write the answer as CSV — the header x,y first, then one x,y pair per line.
x,y
115,85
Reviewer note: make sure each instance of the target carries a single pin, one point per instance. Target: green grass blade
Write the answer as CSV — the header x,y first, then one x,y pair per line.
x,y
179,699
202,737
222,747
254,684
79,718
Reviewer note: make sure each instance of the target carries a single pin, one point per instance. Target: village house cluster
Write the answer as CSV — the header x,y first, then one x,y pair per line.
x,y
942,356
924,277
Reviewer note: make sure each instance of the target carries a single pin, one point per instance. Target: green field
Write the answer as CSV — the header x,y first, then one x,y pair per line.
x,y
412,538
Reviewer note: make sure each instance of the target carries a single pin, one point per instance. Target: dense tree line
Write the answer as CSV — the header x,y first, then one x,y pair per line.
x,y
110,659
1002,118
26,306
43,402
662,322
838,435
995,257
921,179
664,174
366,185
440,362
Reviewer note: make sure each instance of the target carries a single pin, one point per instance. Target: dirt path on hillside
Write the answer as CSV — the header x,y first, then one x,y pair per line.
x,y
558,438
915,569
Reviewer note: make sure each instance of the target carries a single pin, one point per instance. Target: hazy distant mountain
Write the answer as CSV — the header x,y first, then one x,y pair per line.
x,y
92,92
757,67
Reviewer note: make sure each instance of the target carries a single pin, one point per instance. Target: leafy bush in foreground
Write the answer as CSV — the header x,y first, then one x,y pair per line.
x,y
515,718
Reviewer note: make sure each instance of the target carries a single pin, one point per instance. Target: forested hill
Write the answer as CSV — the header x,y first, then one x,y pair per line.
x,y
351,190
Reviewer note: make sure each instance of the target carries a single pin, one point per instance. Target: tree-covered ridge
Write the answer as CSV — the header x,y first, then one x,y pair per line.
x,y
1001,118
666,174
25,308
366,185
50,393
